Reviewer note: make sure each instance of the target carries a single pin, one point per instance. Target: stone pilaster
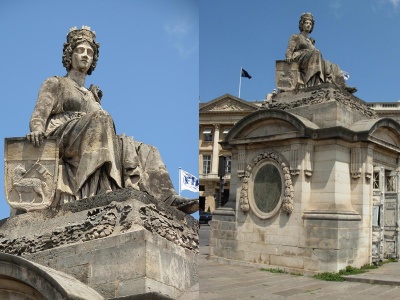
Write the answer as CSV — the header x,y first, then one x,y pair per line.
x,y
215,152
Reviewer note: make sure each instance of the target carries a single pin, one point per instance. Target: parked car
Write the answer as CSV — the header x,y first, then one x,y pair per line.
x,y
205,217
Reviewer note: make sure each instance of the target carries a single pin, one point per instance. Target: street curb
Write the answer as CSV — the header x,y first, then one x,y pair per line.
x,y
371,280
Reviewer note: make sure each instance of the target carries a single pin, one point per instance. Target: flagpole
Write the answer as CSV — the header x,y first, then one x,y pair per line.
x,y
240,80
179,181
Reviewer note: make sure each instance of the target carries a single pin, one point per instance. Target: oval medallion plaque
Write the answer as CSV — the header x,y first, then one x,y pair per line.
x,y
267,188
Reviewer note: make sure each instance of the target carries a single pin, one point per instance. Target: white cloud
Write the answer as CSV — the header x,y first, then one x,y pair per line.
x,y
337,8
389,7
395,3
180,34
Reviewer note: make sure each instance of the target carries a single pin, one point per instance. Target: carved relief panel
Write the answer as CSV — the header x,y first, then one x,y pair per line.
x,y
30,173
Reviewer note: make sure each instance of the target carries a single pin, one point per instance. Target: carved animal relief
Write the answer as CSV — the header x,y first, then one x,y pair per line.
x,y
30,173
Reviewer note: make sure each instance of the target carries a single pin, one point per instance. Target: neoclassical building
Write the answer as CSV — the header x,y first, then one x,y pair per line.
x,y
313,179
216,118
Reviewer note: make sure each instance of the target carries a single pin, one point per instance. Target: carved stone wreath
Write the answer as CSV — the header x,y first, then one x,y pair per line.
x,y
288,194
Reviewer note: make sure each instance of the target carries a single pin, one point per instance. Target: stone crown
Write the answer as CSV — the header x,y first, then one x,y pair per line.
x,y
84,34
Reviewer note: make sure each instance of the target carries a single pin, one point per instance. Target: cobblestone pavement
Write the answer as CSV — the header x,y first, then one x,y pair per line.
x,y
231,281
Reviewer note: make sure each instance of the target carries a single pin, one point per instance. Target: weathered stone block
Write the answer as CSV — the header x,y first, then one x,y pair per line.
x,y
287,75
287,261
230,226
111,245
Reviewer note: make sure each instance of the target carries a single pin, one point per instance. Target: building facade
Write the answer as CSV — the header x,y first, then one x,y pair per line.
x,y
313,185
216,118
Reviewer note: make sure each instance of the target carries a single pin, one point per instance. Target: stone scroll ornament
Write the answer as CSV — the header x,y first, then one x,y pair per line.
x,y
288,195
112,219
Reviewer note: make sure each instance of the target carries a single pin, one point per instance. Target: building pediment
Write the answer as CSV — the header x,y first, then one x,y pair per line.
x,y
227,103
268,128
384,131
269,124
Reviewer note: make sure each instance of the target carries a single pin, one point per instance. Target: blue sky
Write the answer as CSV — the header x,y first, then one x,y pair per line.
x,y
157,57
148,69
361,36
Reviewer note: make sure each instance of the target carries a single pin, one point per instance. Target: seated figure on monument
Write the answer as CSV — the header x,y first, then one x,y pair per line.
x,y
313,69
93,159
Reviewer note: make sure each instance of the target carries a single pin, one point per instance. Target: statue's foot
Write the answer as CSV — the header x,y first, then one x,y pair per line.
x,y
186,205
351,89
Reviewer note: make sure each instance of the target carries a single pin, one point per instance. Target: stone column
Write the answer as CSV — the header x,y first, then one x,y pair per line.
x,y
214,166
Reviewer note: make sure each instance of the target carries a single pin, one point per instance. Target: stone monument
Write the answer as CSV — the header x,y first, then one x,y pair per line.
x,y
90,205
314,174
304,65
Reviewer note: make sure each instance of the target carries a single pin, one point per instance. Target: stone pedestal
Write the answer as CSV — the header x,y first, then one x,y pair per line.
x,y
324,105
120,244
332,243
304,184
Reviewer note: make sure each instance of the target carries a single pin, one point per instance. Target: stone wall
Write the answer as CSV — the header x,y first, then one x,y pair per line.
x,y
328,139
120,244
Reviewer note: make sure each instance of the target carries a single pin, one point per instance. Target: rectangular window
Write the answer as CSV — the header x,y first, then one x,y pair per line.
x,y
206,164
390,183
207,135
225,132
376,216
376,181
228,165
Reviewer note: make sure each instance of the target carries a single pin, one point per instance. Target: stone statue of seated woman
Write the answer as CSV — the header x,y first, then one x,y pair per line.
x,y
313,69
93,159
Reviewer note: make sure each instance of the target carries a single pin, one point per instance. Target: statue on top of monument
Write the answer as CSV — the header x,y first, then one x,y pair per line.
x,y
313,68
93,159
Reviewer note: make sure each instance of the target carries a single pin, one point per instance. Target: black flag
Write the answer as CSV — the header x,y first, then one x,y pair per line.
x,y
245,74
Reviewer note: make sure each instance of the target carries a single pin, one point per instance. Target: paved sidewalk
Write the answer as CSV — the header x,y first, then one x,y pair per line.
x,y
232,281
388,274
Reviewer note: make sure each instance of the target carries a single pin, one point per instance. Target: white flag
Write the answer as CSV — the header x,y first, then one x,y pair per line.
x,y
188,181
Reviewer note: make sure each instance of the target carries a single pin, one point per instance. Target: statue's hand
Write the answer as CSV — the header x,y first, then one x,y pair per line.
x,y
35,137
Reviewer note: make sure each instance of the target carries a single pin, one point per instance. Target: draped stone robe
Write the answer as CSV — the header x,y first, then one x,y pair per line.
x,y
93,158
313,68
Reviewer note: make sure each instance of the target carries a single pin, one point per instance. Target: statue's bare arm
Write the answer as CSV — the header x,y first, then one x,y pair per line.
x,y
43,108
291,48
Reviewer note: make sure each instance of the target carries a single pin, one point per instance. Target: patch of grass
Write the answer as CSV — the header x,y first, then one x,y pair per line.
x,y
369,267
280,271
380,263
273,270
349,270
329,276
